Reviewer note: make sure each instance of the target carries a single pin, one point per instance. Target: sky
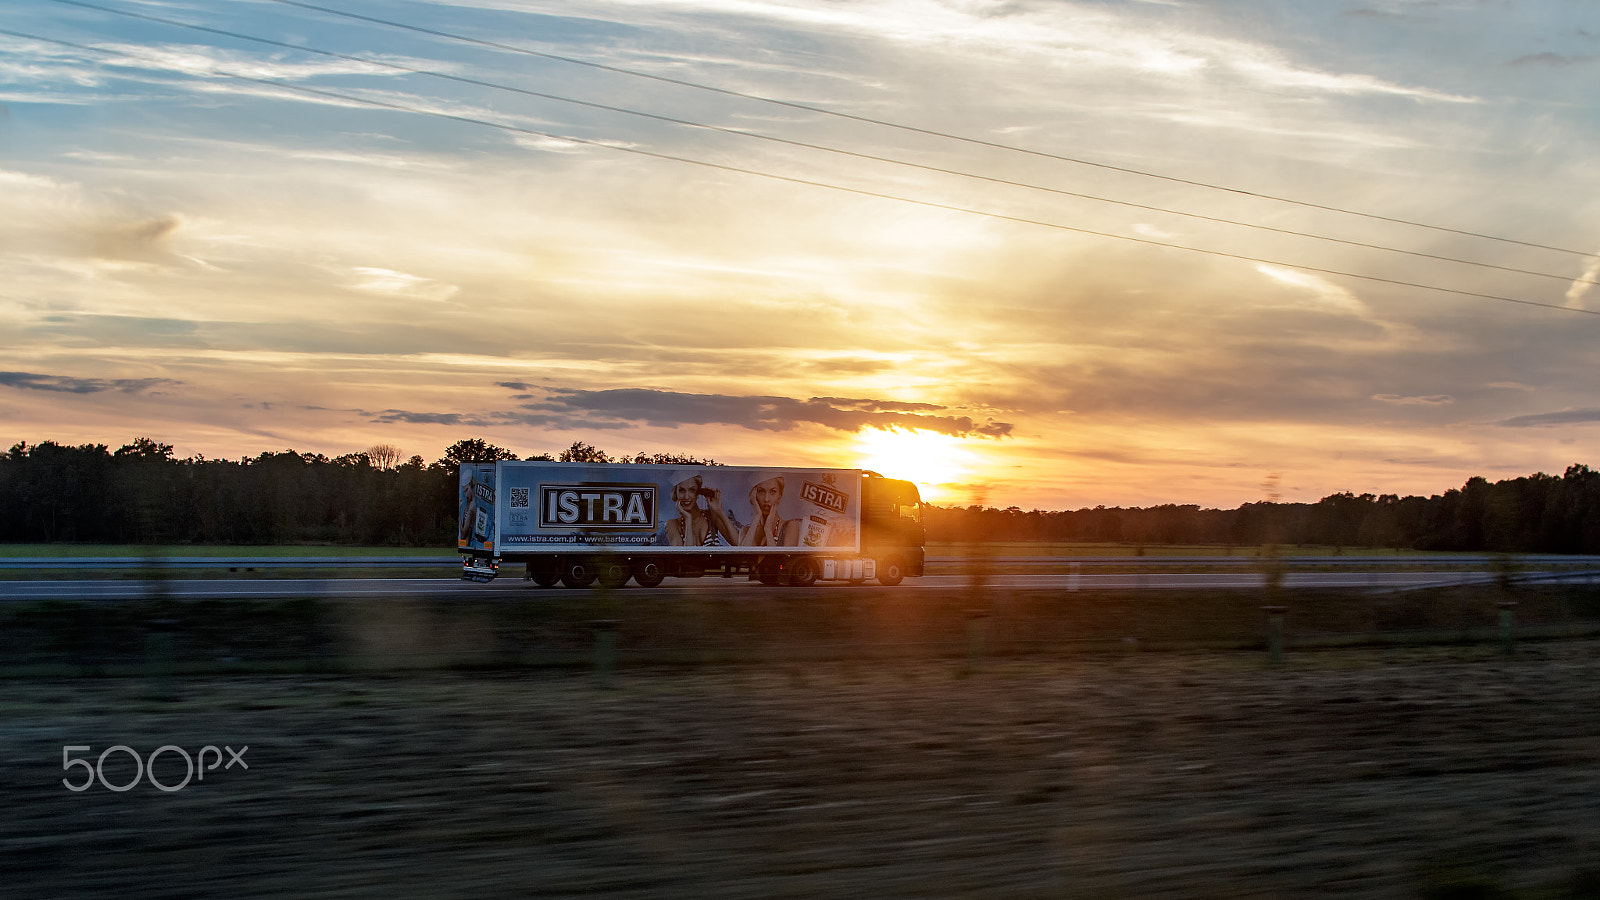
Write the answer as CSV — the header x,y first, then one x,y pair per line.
x,y
1043,253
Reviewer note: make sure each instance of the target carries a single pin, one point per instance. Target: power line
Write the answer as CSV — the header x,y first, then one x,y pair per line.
x,y
923,131
400,107
801,144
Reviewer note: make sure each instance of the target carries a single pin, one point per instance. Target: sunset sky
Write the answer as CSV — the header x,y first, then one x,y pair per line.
x,y
234,246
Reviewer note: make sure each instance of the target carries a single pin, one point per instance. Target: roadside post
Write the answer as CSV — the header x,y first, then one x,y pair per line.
x,y
159,641
605,652
977,638
1275,633
1506,629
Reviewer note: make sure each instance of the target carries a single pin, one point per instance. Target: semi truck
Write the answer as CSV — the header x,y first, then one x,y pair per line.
x,y
585,523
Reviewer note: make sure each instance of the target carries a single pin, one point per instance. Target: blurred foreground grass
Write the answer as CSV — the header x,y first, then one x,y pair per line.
x,y
533,629
1427,772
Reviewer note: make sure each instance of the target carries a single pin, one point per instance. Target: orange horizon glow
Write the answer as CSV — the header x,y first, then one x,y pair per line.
x,y
944,468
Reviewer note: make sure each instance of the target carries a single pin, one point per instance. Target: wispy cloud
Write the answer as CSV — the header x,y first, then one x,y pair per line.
x,y
66,384
672,409
1401,400
388,281
1551,419
1555,60
1580,287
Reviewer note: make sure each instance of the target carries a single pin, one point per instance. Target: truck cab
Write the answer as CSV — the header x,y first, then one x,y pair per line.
x,y
891,526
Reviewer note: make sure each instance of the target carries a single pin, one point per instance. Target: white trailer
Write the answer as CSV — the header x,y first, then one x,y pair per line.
x,y
579,523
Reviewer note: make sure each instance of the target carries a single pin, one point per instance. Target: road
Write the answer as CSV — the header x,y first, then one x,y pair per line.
x,y
197,589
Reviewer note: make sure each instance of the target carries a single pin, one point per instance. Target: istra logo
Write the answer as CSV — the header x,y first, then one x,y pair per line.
x,y
825,497
606,505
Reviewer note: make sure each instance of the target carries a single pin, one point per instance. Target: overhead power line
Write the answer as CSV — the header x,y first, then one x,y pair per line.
x,y
400,107
460,79
822,110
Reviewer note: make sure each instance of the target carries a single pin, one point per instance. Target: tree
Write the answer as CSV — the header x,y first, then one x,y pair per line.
x,y
144,448
584,453
667,459
383,456
475,450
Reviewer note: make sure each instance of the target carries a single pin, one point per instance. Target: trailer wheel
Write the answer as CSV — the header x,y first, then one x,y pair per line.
x,y
612,573
648,573
576,573
892,569
803,571
544,574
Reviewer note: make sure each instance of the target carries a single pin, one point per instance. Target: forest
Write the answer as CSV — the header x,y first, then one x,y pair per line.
x,y
140,493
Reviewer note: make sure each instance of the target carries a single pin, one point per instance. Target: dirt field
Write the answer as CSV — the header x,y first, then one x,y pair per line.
x,y
1442,772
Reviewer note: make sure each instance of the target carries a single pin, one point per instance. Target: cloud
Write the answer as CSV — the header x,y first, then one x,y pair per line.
x,y
30,381
416,418
1327,294
760,413
1545,420
138,240
1583,284
204,61
1435,400
1267,70
47,218
1554,60
596,409
878,405
388,281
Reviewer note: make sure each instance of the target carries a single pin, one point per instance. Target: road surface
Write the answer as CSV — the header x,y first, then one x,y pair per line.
x,y
508,586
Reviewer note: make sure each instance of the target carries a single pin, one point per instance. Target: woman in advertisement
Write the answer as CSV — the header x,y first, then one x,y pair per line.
x,y
770,528
476,518
698,526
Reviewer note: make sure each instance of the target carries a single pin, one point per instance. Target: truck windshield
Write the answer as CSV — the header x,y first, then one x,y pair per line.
x,y
906,500
911,504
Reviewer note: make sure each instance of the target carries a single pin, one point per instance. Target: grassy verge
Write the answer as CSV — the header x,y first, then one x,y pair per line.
x,y
1069,550
782,625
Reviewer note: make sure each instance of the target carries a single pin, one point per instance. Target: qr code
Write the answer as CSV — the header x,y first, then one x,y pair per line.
x,y
519,497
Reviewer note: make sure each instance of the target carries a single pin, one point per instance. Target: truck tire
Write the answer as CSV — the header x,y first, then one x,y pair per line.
x,y
543,572
803,571
892,569
648,572
612,573
576,573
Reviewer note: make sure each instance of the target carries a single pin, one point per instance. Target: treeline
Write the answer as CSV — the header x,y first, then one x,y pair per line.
x,y
141,494
1534,514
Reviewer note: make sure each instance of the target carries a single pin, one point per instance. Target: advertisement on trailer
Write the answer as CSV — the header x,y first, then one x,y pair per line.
x,y
574,506
475,520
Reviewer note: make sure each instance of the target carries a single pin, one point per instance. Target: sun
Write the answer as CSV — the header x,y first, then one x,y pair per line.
x,y
937,463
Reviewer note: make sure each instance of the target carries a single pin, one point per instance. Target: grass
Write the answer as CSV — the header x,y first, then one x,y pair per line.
x,y
1069,550
534,629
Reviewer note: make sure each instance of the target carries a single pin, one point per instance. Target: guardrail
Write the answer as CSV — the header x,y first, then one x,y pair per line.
x,y
1134,562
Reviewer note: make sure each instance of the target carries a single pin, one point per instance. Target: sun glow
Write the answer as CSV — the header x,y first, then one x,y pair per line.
x,y
940,465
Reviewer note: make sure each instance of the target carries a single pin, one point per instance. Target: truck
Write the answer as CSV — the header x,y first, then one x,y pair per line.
x,y
591,523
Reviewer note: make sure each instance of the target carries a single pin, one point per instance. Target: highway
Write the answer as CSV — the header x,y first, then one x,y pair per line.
x,y
197,578
514,587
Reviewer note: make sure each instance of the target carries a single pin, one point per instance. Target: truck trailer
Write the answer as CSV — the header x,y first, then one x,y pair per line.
x,y
582,523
